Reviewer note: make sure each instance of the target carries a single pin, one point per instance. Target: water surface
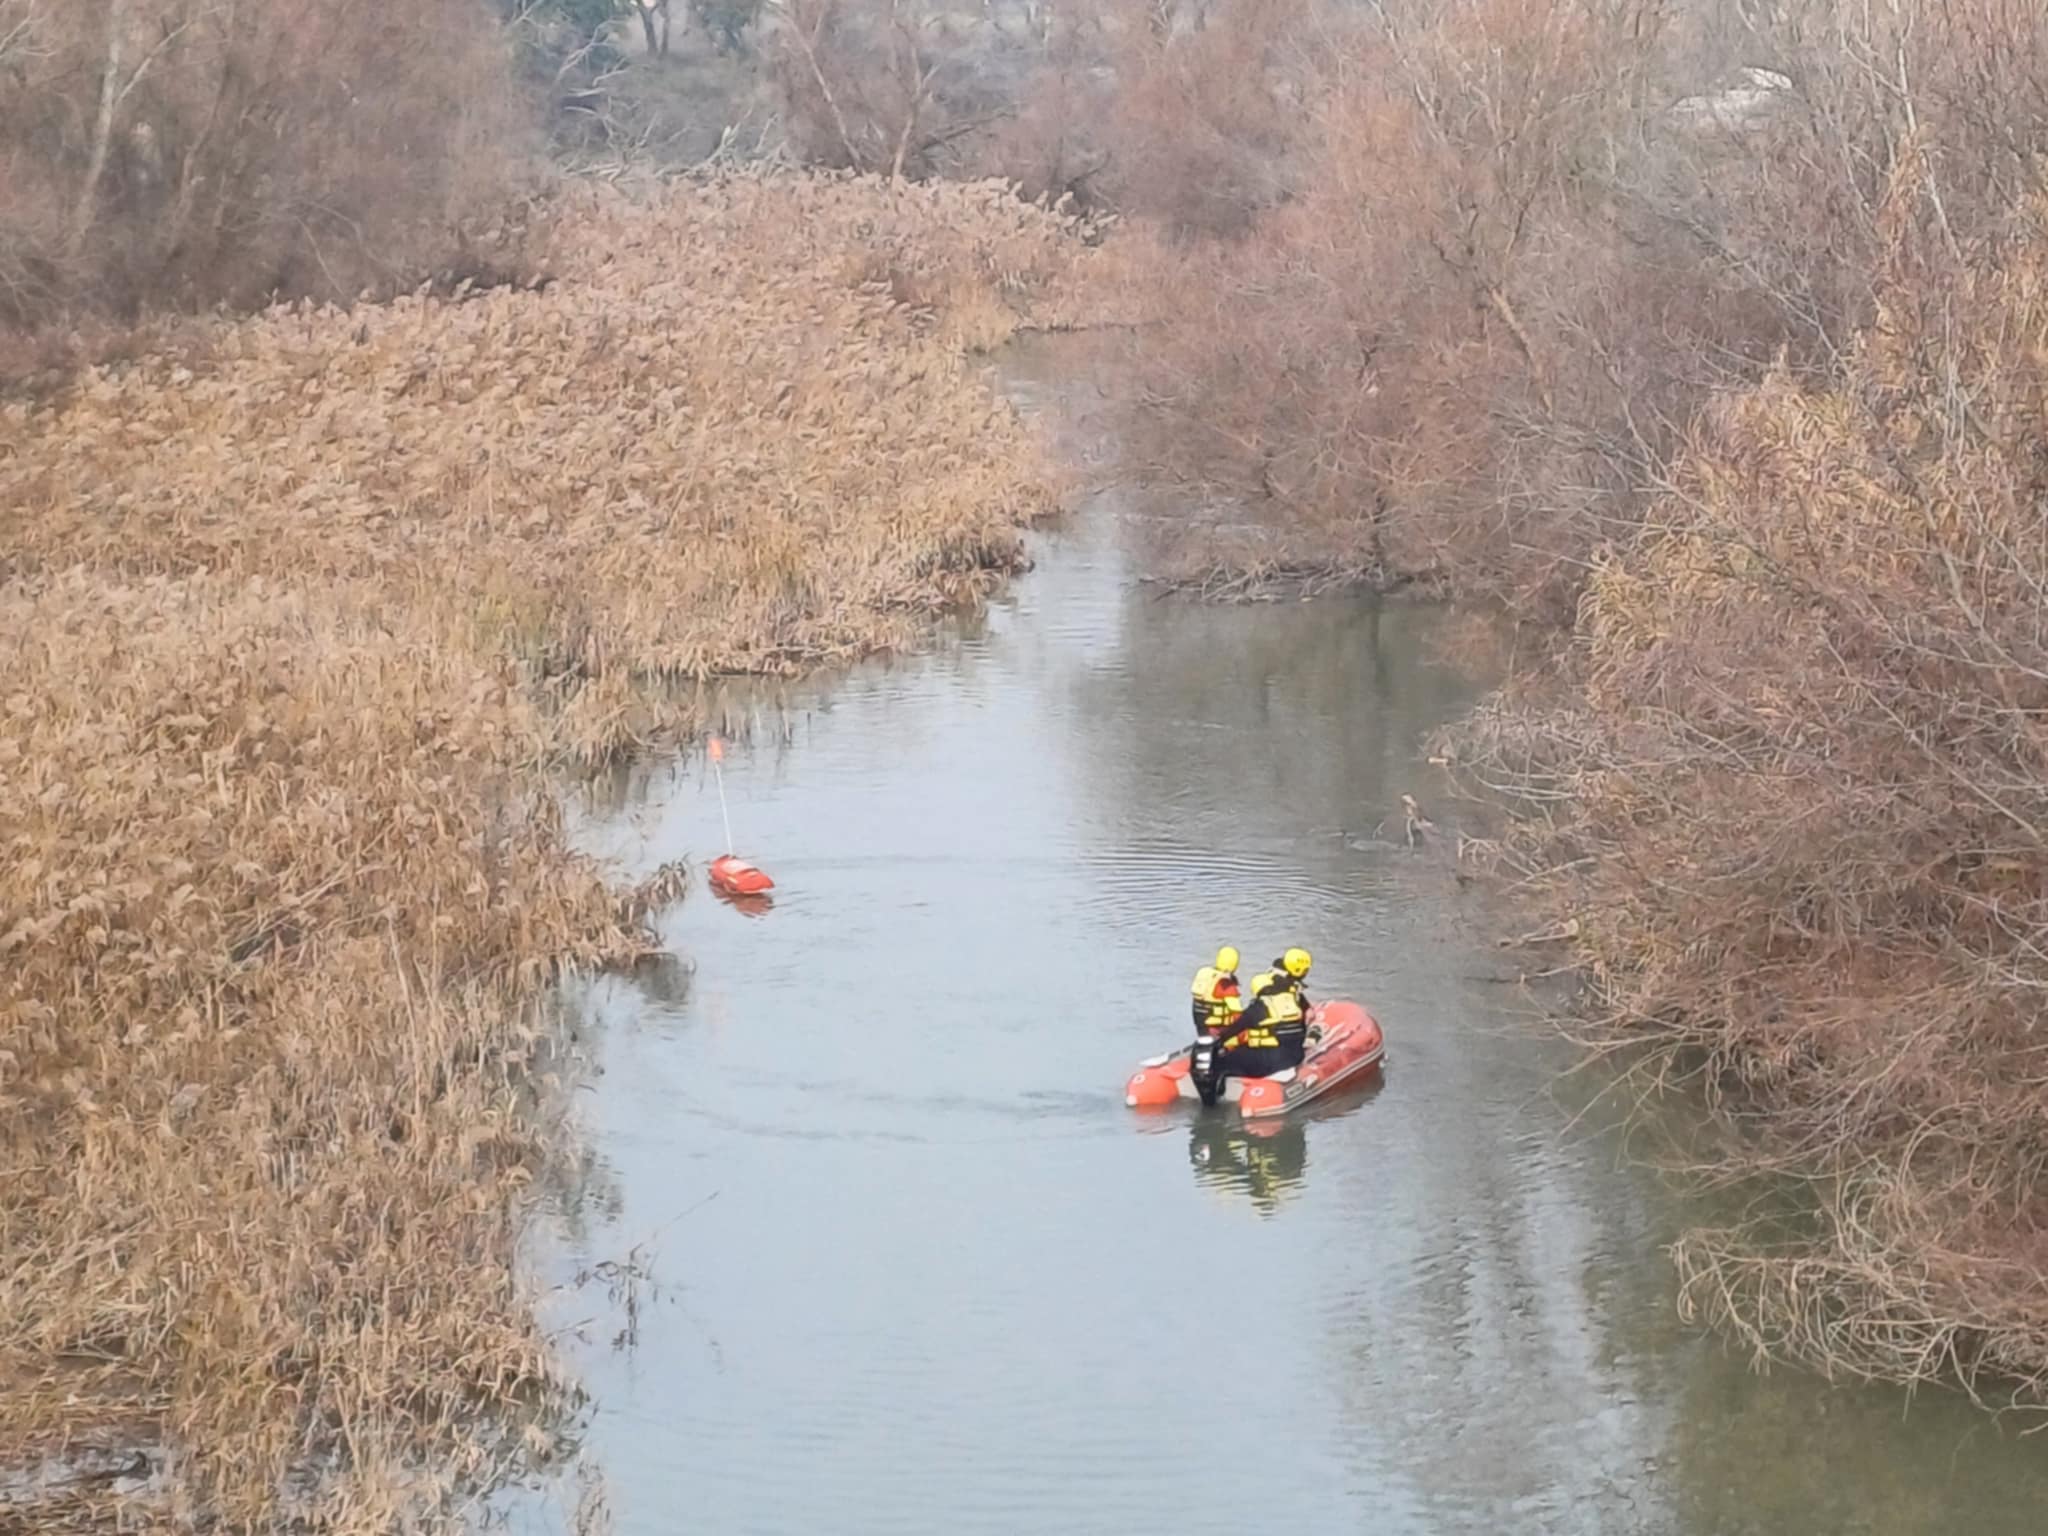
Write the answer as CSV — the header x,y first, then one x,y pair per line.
x,y
921,1270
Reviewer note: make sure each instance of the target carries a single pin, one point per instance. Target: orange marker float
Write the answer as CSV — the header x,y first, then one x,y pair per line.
x,y
730,874
736,877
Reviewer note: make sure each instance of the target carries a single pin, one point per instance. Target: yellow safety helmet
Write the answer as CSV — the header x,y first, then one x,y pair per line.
x,y
1226,959
1295,963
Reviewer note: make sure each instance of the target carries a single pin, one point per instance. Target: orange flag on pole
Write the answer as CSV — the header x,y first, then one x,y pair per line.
x,y
717,754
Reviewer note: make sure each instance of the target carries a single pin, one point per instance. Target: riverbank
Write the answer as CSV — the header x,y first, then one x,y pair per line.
x,y
1734,434
1792,777
303,622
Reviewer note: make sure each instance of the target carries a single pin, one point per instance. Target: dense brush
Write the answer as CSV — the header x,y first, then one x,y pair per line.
x,y
295,628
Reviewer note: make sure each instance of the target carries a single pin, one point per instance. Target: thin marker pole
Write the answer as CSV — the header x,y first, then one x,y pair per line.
x,y
718,773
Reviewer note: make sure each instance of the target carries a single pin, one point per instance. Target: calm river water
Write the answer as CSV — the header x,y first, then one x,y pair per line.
x,y
918,1269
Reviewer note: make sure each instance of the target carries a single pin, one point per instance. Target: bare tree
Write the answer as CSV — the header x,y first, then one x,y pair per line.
x,y
806,25
654,23
161,153
866,84
118,80
912,73
726,22
20,31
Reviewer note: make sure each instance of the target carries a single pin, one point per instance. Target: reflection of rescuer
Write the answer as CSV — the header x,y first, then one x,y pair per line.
x,y
1217,996
1272,1032
1264,1160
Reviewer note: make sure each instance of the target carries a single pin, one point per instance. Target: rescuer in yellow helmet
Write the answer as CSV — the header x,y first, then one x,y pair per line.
x,y
1272,1032
1217,995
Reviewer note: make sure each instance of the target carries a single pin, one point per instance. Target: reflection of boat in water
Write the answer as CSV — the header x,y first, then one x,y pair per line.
x,y
1265,1158
759,905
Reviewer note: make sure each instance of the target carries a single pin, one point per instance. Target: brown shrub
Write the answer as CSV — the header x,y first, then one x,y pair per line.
x,y
1362,374
1211,107
1524,249
1046,138
1795,820
1123,104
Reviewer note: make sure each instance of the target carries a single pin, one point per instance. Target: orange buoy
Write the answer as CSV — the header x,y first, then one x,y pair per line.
x,y
730,874
736,877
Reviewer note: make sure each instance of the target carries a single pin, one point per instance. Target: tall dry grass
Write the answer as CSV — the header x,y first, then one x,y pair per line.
x,y
298,622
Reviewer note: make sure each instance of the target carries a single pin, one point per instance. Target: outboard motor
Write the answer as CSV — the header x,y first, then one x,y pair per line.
x,y
1204,1070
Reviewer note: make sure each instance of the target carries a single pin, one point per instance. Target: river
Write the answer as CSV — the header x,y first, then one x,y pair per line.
x,y
916,1269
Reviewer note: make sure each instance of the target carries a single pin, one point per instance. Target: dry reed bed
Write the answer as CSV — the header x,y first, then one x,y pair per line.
x,y
295,631
1793,794
711,390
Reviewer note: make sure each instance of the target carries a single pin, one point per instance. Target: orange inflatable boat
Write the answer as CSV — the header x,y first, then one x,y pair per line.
x,y
1351,1047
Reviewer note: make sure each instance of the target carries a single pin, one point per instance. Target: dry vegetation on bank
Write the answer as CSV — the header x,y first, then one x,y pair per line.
x,y
1706,343
1798,782
296,622
1493,277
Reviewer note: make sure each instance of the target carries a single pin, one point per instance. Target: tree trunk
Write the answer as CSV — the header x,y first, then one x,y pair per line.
x,y
645,8
808,43
907,64
102,128
188,173
903,145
